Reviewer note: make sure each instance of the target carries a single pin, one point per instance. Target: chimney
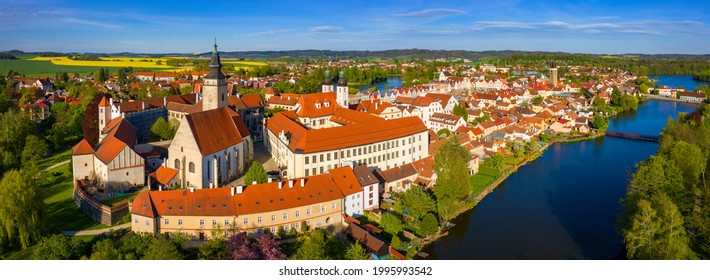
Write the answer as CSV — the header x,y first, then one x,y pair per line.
x,y
165,101
303,182
377,105
192,189
253,182
142,105
160,187
280,184
290,184
232,189
271,180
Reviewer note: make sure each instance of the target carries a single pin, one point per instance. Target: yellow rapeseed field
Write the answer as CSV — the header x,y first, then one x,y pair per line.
x,y
135,62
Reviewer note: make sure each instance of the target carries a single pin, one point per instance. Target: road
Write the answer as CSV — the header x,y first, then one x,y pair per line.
x,y
95,231
58,164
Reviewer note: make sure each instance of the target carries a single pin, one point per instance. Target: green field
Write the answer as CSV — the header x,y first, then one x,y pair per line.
x,y
40,68
54,158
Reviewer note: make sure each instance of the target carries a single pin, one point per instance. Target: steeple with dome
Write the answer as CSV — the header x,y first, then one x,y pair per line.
x,y
214,90
327,82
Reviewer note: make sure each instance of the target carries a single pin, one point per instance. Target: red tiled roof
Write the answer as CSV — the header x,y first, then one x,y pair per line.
x,y
214,130
109,148
345,179
82,148
258,198
143,205
104,102
399,172
343,136
317,105
164,174
424,167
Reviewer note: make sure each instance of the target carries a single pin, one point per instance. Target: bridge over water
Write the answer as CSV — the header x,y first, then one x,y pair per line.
x,y
633,136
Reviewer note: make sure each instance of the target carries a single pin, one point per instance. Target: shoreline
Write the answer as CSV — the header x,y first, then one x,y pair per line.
x,y
669,99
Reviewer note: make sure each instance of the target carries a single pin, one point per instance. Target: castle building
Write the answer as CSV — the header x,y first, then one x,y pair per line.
x,y
320,135
113,163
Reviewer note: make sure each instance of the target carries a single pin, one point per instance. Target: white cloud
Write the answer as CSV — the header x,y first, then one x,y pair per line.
x,y
325,28
91,23
431,13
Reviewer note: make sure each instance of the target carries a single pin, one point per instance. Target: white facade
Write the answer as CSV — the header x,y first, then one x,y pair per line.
x,y
382,154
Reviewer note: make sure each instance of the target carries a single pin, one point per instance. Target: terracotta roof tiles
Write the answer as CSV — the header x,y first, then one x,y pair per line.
x,y
214,130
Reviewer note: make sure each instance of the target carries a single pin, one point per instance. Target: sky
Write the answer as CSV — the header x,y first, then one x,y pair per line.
x,y
598,27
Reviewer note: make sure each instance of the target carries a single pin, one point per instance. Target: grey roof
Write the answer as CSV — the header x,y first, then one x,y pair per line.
x,y
215,66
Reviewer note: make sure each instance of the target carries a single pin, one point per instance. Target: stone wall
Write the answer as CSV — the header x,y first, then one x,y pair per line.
x,y
94,209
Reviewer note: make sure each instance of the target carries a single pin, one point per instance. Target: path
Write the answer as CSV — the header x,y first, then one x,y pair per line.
x,y
58,164
95,231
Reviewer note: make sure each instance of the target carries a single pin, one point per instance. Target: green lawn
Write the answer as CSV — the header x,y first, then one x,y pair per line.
x,y
513,161
119,199
62,214
54,158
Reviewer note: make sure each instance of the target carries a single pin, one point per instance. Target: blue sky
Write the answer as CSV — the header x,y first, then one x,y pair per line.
x,y
611,26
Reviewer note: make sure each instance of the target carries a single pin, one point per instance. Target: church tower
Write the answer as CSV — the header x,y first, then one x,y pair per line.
x,y
214,89
327,82
342,94
104,115
553,73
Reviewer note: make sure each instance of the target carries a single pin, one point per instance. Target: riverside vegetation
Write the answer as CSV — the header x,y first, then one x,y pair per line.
x,y
667,214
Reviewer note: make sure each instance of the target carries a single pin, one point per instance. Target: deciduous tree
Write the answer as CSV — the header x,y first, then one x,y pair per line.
x,y
256,173
391,223
356,252
162,249
59,247
21,205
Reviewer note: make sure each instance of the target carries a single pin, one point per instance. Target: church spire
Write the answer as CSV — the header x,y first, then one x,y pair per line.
x,y
215,64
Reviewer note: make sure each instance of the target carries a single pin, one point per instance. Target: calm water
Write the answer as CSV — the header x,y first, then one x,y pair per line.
x,y
392,81
562,205
678,80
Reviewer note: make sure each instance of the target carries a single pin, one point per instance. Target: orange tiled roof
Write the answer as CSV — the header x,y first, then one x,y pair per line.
x,y
82,148
333,138
214,130
254,199
317,104
109,148
345,179
104,102
164,174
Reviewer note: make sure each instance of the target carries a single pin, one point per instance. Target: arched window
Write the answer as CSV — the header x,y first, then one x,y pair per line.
x,y
192,167
177,164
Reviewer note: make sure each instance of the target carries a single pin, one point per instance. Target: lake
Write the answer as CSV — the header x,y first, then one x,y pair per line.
x,y
562,205
674,81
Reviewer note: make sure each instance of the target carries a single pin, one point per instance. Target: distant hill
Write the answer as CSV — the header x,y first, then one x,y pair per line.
x,y
385,54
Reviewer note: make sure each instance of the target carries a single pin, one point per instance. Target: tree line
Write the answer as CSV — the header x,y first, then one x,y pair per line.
x,y
666,210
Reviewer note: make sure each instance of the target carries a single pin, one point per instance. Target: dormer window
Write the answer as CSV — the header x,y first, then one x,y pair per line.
x,y
317,105
327,104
